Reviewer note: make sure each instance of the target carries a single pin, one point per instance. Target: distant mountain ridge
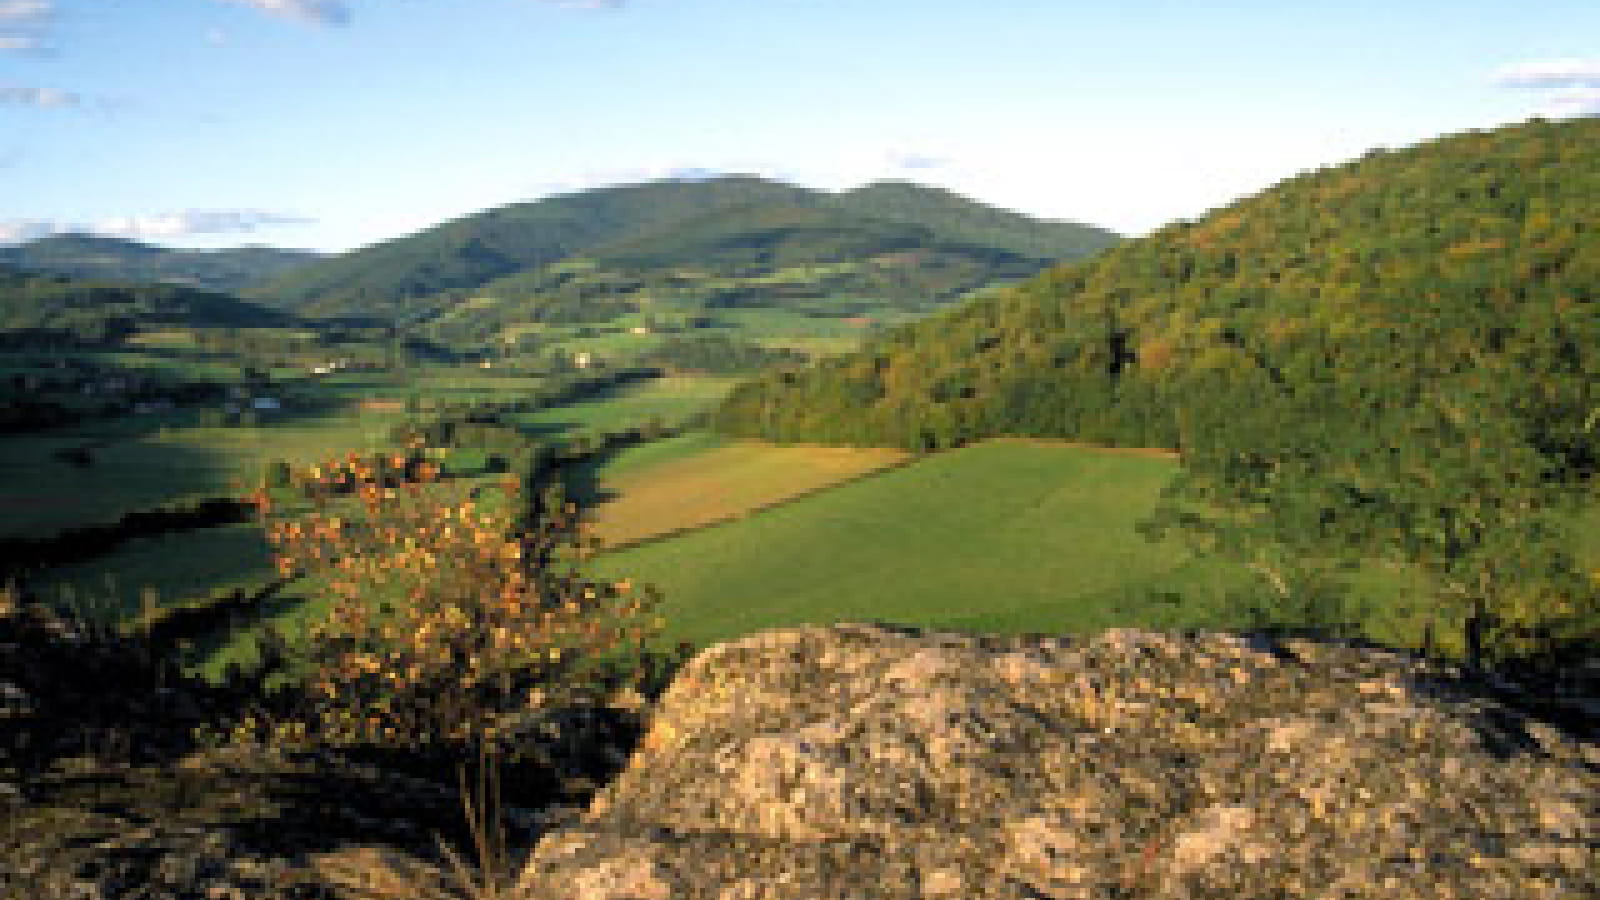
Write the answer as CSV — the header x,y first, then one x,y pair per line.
x,y
734,222
970,221
93,256
40,309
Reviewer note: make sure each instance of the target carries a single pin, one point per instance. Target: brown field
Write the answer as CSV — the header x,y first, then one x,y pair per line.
x,y
724,483
1154,452
384,405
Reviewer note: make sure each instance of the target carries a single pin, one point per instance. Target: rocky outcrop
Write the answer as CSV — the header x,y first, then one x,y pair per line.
x,y
877,762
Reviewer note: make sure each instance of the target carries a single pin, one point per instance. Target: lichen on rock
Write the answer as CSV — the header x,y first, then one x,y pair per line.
x,y
869,761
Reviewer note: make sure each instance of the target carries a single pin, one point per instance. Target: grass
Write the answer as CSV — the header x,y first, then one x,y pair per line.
x,y
136,468
176,567
999,537
669,399
696,480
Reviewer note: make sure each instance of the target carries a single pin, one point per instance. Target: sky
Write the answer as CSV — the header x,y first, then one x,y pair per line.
x,y
335,124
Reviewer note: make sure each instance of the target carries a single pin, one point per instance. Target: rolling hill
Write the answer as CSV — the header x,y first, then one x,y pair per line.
x,y
1390,359
114,259
37,308
966,220
395,278
580,252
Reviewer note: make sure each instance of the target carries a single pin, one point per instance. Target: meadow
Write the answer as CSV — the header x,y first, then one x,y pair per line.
x,y
144,461
999,536
670,400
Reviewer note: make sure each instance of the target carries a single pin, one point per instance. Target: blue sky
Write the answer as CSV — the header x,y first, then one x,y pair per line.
x,y
331,124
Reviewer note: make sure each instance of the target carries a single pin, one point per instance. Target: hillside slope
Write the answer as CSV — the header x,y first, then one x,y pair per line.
x,y
1386,248
115,259
580,251
1395,359
36,308
387,278
964,219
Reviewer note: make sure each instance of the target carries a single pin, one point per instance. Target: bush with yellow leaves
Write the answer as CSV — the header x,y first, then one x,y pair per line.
x,y
449,617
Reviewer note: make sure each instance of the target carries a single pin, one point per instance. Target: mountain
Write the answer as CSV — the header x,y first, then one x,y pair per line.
x,y
1389,367
115,259
807,257
388,279
630,237
962,219
37,308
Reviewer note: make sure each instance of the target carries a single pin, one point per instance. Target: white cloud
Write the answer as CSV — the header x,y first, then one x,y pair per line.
x,y
1550,73
914,160
607,177
194,221
24,10
316,12
41,97
216,37
20,231
1567,87
1571,103
182,224
587,4
23,24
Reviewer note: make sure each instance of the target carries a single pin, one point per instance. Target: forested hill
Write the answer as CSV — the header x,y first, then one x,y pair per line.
x,y
1394,359
636,235
1467,238
959,218
40,309
115,259
385,279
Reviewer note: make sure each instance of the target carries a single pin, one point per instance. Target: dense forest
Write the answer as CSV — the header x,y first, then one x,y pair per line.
x,y
1392,359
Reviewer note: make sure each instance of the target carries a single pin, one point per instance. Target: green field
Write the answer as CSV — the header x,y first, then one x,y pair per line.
x,y
668,399
142,462
1000,537
174,567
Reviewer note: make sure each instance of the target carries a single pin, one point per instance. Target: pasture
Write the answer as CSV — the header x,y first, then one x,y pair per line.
x,y
670,399
999,536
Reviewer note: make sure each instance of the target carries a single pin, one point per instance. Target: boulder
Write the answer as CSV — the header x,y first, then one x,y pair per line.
x,y
870,761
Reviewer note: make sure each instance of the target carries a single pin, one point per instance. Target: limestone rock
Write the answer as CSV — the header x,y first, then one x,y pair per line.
x,y
866,761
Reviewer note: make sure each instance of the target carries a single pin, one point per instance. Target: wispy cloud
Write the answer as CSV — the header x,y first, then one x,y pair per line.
x,y
608,177
24,24
196,221
315,12
692,173
40,97
587,4
181,224
21,231
1567,87
1571,103
57,99
913,160
1550,73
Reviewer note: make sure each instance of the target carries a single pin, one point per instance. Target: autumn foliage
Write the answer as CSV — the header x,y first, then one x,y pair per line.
x,y
449,618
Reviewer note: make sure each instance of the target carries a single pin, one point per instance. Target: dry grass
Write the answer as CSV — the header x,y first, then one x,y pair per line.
x,y
724,483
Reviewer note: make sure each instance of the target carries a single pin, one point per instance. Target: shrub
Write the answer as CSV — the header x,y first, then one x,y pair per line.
x,y
450,618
